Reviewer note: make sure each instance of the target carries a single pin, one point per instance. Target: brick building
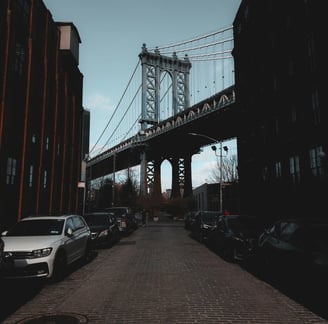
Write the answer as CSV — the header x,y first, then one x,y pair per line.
x,y
281,67
41,113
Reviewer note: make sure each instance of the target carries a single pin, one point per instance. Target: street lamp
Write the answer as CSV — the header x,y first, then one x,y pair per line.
x,y
225,148
213,147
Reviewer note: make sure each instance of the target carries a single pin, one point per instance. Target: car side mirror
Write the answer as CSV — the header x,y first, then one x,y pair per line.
x,y
69,232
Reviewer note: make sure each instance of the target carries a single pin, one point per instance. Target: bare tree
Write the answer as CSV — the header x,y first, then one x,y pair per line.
x,y
229,170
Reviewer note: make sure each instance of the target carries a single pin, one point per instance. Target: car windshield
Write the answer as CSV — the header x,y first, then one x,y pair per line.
x,y
117,211
210,217
99,219
244,224
311,236
37,227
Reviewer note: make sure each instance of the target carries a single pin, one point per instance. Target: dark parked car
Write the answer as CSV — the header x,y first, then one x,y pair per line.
x,y
296,244
1,256
235,237
189,219
203,224
126,219
104,228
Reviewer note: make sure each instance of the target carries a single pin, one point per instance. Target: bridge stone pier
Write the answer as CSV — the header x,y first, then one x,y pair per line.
x,y
181,176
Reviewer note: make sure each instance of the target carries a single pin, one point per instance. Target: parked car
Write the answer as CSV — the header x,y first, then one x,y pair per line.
x,y
235,237
126,219
1,256
296,244
44,246
204,223
104,228
189,219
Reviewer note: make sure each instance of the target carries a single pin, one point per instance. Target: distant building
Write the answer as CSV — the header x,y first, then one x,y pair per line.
x,y
280,77
41,113
207,197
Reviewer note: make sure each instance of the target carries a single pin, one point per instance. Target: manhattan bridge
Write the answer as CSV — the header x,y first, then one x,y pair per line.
x,y
175,91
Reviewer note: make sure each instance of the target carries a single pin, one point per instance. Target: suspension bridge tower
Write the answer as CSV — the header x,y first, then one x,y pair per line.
x,y
153,66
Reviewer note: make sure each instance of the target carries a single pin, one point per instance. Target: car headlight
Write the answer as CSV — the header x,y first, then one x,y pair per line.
x,y
104,233
40,253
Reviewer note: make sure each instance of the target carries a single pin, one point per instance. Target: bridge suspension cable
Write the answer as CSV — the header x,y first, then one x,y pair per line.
x,y
220,31
120,122
201,46
116,108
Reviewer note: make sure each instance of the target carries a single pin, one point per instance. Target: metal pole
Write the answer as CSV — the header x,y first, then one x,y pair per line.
x,y
221,164
221,170
113,189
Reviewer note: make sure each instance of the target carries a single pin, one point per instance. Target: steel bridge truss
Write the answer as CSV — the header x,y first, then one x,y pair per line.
x,y
181,176
153,65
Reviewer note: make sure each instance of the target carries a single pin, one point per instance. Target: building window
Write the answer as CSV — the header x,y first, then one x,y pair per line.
x,y
275,83
47,143
34,138
239,28
294,168
265,173
278,170
315,161
30,177
288,22
315,107
24,7
276,126
246,13
311,53
293,113
45,179
290,67
11,171
19,59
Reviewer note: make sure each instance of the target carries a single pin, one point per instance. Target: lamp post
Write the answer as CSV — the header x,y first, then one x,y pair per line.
x,y
213,147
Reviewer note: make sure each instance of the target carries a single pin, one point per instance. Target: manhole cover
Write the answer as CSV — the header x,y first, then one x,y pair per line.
x,y
55,319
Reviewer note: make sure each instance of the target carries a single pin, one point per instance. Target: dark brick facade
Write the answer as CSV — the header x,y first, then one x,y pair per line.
x,y
41,113
281,66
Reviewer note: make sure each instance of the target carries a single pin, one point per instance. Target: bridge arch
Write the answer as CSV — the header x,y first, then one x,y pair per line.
x,y
166,166
165,95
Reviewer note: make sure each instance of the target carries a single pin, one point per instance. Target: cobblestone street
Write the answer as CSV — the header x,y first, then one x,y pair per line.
x,y
161,275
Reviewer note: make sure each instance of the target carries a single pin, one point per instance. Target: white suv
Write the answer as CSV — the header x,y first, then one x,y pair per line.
x,y
43,246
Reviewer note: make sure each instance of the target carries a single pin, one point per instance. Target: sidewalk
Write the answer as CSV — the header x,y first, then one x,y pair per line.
x,y
160,275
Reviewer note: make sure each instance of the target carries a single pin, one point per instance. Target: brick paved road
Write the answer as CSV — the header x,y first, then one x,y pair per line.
x,y
161,275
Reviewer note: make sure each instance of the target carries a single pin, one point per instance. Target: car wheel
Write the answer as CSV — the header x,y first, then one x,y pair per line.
x,y
237,255
60,267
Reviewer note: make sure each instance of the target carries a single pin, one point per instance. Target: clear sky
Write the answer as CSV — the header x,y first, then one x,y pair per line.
x,y
112,33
